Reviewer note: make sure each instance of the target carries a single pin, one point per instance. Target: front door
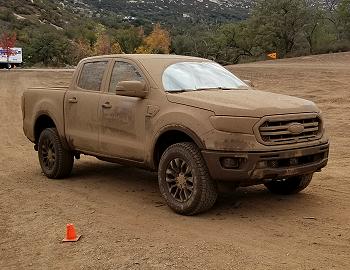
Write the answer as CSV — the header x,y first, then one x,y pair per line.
x,y
122,132
82,120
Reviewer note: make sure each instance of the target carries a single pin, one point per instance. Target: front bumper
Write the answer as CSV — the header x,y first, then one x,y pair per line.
x,y
255,167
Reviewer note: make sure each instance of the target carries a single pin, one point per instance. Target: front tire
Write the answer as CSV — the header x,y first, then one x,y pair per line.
x,y
184,180
290,185
56,162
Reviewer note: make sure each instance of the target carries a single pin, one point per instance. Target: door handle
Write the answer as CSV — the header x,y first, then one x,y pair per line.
x,y
73,100
106,105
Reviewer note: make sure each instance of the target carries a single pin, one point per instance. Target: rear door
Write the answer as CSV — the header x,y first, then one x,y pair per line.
x,y
82,107
122,132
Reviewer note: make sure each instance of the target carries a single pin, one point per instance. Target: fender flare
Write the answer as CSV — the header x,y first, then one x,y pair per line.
x,y
190,133
48,114
180,128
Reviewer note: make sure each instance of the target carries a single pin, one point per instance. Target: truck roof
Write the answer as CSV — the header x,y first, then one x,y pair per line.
x,y
155,64
170,57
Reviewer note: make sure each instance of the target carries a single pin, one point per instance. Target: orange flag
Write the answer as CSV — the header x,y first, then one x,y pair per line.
x,y
272,55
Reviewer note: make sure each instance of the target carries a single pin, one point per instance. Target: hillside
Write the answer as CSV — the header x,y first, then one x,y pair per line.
x,y
176,10
19,14
137,12
61,13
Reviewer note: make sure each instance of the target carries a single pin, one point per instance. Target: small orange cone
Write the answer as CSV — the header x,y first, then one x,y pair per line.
x,y
71,235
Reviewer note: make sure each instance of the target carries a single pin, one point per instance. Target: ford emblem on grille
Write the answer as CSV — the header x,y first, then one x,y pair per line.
x,y
296,128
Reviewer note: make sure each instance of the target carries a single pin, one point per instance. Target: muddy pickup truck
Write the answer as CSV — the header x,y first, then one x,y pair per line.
x,y
188,118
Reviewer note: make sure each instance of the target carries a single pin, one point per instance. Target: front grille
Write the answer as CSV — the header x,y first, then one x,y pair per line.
x,y
291,130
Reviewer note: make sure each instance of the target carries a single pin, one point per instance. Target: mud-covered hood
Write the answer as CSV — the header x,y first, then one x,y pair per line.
x,y
251,103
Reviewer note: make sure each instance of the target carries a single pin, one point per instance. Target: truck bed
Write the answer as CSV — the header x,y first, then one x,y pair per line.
x,y
43,100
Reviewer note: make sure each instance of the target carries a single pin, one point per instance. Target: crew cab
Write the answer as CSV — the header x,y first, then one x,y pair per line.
x,y
187,118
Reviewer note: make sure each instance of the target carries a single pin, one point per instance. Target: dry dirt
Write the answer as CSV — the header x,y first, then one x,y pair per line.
x,y
123,219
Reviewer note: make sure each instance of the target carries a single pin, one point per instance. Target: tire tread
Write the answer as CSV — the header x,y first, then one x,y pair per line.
x,y
65,158
208,186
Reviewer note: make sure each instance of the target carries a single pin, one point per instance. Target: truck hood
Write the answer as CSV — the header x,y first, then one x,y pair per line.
x,y
250,103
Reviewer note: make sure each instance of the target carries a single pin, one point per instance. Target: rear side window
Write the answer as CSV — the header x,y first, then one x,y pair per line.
x,y
123,71
91,75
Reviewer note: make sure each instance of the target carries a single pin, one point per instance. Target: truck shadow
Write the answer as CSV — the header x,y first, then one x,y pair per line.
x,y
257,201
141,187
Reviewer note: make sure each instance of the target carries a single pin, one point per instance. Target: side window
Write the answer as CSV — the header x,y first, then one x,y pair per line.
x,y
91,75
123,71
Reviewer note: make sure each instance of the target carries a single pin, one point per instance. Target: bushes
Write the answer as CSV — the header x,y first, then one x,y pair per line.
x,y
289,27
48,48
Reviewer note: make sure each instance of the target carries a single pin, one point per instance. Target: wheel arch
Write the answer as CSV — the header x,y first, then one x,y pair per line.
x,y
43,121
170,135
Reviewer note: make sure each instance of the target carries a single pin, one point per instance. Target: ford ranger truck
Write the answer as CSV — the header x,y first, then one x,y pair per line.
x,y
187,118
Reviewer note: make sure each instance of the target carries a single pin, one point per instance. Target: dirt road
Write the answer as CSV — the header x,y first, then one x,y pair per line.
x,y
123,219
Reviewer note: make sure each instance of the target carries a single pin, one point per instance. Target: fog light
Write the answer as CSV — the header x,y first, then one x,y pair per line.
x,y
261,164
230,163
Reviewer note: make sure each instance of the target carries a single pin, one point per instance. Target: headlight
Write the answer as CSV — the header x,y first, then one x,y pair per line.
x,y
234,124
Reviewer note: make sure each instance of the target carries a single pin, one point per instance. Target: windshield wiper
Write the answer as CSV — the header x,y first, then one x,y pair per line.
x,y
205,89
214,88
180,91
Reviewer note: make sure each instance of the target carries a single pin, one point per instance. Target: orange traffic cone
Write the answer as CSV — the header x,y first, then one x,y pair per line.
x,y
71,235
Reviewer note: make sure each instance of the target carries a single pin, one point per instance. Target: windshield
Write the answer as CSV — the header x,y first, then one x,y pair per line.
x,y
192,76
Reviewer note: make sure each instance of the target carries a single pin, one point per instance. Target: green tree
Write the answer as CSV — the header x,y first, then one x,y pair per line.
x,y
50,49
180,44
332,16
343,10
235,40
278,23
313,22
129,38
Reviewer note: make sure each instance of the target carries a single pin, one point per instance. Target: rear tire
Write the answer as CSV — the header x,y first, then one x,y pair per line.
x,y
290,185
184,180
56,162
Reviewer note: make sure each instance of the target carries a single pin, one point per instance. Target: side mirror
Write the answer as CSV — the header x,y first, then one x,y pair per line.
x,y
249,83
131,89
